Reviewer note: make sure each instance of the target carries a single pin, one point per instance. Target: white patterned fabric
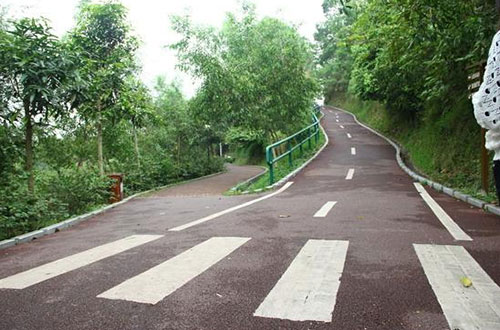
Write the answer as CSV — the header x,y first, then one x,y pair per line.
x,y
486,100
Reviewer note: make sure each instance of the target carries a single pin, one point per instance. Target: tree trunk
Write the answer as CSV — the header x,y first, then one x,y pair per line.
x,y
178,154
136,146
100,161
208,153
29,149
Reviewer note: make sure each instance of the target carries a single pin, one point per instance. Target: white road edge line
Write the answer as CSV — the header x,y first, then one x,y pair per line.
x,y
473,307
75,261
349,135
455,231
353,151
323,211
155,284
350,174
229,210
307,291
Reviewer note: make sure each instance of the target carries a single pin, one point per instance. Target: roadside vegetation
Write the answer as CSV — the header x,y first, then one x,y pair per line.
x,y
282,168
73,108
401,67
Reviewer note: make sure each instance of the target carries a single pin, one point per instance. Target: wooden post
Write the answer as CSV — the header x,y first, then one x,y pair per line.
x,y
475,80
484,153
484,162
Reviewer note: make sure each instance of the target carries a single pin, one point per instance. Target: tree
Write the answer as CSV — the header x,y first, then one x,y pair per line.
x,y
106,49
335,53
136,105
256,74
409,55
172,113
34,65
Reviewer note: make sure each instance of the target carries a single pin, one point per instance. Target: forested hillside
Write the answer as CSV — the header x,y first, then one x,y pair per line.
x,y
73,109
401,67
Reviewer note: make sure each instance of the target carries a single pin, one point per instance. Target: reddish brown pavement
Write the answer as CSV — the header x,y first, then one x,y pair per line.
x,y
213,185
379,212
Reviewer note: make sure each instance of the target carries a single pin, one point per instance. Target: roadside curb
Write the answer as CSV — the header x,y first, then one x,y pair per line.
x,y
76,220
437,186
251,180
297,170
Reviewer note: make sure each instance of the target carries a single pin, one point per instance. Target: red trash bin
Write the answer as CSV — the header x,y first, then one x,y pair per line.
x,y
116,187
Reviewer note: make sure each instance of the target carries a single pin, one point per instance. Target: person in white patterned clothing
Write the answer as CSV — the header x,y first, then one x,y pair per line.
x,y
486,102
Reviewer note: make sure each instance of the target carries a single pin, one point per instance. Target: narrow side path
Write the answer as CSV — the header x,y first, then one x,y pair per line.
x,y
214,185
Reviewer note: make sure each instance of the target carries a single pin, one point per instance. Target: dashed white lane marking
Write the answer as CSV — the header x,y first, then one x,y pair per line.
x,y
234,208
158,282
341,126
349,135
353,151
350,174
67,264
337,120
330,111
445,219
307,291
474,307
323,211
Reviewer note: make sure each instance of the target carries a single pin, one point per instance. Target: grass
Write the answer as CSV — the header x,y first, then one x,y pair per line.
x,y
282,168
445,148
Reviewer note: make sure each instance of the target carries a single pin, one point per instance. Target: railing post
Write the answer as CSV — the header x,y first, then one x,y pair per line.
x,y
309,138
300,146
271,174
290,162
270,163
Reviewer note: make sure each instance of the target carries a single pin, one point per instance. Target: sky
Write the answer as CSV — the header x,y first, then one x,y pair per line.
x,y
150,21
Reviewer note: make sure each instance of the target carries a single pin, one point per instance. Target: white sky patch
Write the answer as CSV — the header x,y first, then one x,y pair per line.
x,y
150,20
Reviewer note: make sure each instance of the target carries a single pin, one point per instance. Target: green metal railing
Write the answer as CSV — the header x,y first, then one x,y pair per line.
x,y
293,142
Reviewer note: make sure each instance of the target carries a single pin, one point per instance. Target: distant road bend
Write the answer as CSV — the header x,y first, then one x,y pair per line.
x,y
353,243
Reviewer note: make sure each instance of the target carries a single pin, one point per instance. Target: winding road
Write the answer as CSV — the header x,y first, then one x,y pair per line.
x,y
352,243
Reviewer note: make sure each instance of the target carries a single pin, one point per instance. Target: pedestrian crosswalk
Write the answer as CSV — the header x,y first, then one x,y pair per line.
x,y
64,265
155,284
466,307
307,289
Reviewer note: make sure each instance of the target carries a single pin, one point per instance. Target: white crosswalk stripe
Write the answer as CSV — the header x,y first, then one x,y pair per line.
x,y
307,291
75,261
158,282
473,307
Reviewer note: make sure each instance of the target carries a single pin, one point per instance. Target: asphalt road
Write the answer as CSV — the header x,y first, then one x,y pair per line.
x,y
378,258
